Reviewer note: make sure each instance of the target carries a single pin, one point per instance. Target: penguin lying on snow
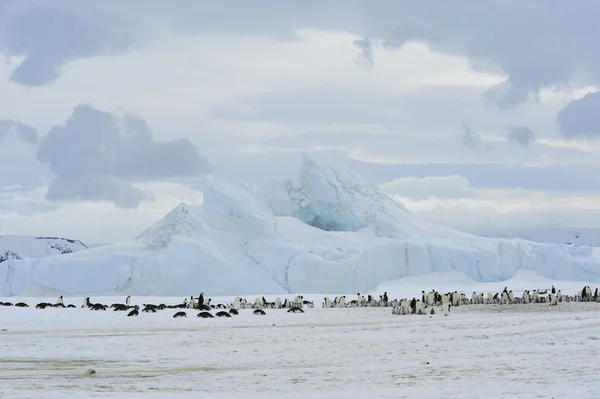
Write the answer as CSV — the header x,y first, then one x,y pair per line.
x,y
134,312
223,313
259,312
179,314
234,311
205,315
295,310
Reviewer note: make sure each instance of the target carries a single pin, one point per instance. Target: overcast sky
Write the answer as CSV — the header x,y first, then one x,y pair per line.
x,y
480,115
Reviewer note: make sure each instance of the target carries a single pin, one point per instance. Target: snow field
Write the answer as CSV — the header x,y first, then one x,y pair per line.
x,y
491,351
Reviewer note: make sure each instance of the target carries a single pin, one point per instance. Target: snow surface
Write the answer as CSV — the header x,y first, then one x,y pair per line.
x,y
329,231
26,247
479,351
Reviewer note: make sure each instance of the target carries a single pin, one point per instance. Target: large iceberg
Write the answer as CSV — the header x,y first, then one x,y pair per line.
x,y
329,231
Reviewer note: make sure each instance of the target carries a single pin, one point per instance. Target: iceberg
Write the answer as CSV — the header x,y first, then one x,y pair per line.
x,y
24,247
328,231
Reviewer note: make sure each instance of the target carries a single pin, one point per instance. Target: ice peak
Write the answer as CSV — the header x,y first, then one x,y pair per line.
x,y
334,198
180,221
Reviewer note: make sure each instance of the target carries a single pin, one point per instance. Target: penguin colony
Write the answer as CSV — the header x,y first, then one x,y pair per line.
x,y
424,305
191,303
506,297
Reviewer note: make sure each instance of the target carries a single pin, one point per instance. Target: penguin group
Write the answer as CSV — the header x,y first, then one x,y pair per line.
x,y
506,297
423,305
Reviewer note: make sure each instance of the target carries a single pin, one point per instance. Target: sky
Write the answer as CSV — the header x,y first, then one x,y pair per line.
x,y
482,116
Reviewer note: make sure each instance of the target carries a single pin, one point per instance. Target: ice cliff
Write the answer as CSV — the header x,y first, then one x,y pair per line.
x,y
24,247
328,231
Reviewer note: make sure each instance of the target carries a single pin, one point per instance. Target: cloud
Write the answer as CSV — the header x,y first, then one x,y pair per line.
x,y
521,135
365,56
97,156
421,188
580,119
20,130
506,38
27,212
470,139
51,37
494,211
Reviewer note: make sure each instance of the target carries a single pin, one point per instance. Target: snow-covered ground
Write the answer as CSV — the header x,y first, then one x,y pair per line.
x,y
479,351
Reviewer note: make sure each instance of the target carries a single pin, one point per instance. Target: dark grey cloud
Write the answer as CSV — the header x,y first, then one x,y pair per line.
x,y
20,130
521,135
518,38
97,156
51,37
536,43
471,139
365,55
581,118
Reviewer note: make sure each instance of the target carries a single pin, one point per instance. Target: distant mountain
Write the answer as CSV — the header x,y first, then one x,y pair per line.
x,y
28,247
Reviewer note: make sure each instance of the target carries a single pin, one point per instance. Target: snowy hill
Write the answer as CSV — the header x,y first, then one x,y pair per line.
x,y
25,247
328,231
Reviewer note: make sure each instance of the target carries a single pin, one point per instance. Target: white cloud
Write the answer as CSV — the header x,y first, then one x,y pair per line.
x,y
454,202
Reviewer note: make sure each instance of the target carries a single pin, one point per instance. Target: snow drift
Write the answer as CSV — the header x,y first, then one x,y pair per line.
x,y
328,231
25,247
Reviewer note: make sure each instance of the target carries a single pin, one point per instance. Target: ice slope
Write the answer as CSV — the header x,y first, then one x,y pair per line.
x,y
328,231
24,247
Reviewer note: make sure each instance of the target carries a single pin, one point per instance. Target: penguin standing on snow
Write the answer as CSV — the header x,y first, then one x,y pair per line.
x,y
200,300
553,290
385,297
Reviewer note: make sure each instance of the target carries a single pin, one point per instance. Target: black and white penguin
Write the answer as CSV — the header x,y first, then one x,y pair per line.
x,y
553,290
259,312
385,297
134,312
234,311
24,305
179,314
149,309
295,310
205,315
222,313
200,300
413,306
